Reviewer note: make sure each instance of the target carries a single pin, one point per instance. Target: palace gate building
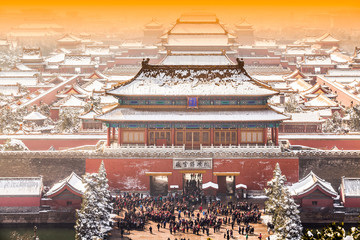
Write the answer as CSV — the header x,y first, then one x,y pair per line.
x,y
203,123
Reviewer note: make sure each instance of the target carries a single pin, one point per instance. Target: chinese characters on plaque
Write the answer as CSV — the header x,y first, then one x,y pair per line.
x,y
192,163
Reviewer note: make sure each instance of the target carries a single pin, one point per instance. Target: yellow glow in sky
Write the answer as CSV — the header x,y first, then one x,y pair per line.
x,y
354,3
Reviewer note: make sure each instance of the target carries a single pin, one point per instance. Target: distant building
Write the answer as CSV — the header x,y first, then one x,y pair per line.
x,y
350,192
20,194
244,33
198,31
313,193
66,194
152,33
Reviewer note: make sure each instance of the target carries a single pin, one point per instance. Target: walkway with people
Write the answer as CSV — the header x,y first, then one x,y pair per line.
x,y
189,217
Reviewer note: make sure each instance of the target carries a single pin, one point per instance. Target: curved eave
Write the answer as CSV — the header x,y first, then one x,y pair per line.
x,y
315,186
63,188
185,95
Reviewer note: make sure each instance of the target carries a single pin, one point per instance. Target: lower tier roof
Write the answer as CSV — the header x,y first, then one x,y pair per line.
x,y
128,115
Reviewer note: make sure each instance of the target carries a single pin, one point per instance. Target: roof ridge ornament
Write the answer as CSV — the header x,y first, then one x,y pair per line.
x,y
145,62
240,63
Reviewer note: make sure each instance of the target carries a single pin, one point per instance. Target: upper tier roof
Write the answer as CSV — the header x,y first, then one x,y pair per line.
x,y
193,80
197,59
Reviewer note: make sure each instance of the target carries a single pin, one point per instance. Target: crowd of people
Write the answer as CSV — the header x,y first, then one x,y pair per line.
x,y
185,213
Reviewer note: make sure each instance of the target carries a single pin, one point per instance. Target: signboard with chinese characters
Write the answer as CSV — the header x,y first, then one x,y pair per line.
x,y
192,102
192,163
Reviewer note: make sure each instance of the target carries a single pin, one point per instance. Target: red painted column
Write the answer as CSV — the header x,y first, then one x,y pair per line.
x,y
146,136
172,136
113,133
108,136
277,136
239,136
211,136
265,135
272,135
119,135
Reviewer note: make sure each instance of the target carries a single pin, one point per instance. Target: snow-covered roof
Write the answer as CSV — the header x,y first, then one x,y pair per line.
x,y
94,85
97,50
269,78
34,116
339,57
24,81
196,60
108,99
77,60
31,53
90,115
127,114
327,38
57,58
343,72
240,186
210,185
310,182
73,181
302,117
197,28
69,38
198,40
73,101
321,101
295,75
20,186
300,85
317,60
192,80
10,90
351,186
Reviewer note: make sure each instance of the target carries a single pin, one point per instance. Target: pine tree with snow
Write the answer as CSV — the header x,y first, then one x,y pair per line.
x,y
68,121
274,194
335,124
88,222
291,226
104,198
283,209
292,105
355,118
93,219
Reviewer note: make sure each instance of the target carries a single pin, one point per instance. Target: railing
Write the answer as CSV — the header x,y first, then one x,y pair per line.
x,y
181,148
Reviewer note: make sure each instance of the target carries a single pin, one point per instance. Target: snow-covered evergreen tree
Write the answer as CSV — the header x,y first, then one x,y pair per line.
x,y
292,105
68,121
14,145
88,220
355,118
104,198
292,227
93,219
334,124
274,193
11,120
285,215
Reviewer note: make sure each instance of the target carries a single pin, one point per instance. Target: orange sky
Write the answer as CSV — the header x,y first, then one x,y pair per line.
x,y
354,3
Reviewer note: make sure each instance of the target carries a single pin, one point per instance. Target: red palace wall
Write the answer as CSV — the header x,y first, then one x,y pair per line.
x,y
327,203
328,144
25,201
130,174
353,202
